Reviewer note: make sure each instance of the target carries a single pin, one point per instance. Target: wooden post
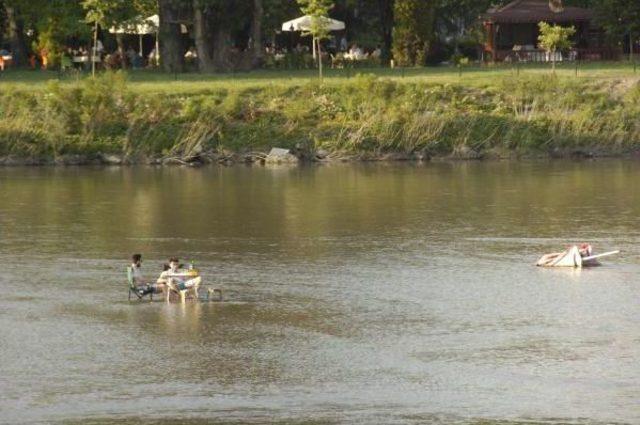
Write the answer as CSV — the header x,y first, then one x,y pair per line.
x,y
319,58
313,47
490,34
157,54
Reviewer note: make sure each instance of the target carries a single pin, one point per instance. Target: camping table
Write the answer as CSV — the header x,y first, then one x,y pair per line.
x,y
85,60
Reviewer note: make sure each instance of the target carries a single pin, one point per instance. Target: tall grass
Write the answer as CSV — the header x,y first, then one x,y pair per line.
x,y
366,114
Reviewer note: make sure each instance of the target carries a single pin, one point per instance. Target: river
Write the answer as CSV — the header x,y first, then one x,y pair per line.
x,y
356,293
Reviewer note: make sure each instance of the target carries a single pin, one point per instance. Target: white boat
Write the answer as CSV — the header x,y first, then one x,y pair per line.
x,y
573,257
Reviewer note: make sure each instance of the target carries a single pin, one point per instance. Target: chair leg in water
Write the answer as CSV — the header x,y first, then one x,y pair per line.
x,y
213,291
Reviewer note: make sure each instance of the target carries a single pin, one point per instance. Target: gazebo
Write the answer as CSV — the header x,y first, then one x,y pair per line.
x,y
512,31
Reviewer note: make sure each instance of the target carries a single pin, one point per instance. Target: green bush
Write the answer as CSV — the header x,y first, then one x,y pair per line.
x,y
364,114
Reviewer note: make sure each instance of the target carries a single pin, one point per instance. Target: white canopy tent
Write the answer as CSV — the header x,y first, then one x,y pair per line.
x,y
140,27
150,25
304,23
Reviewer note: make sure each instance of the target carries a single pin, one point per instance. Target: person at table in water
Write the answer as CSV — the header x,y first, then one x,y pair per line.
x,y
178,278
143,286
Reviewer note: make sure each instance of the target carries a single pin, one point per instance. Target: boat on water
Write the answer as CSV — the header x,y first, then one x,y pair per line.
x,y
574,256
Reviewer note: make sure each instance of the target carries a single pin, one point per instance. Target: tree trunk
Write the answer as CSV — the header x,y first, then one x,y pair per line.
x,y
221,49
94,51
385,9
120,43
171,49
319,58
16,36
202,39
256,32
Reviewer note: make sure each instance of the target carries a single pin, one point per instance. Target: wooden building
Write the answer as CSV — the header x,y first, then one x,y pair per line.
x,y
512,32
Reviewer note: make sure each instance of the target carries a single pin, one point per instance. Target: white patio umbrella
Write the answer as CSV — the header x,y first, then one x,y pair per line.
x,y
303,23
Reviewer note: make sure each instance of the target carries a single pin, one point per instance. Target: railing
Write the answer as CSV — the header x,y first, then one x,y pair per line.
x,y
538,55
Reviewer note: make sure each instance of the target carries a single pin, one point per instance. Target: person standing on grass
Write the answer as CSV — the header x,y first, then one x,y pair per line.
x,y
44,59
3,53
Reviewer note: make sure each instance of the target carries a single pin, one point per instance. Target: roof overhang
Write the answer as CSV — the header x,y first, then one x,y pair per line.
x,y
534,11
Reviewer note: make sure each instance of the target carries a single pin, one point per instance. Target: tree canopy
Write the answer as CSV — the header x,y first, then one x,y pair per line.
x,y
554,38
229,34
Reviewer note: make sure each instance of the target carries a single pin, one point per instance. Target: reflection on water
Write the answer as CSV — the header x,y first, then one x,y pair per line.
x,y
354,293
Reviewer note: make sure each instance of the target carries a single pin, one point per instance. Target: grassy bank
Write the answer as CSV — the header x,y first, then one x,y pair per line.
x,y
499,113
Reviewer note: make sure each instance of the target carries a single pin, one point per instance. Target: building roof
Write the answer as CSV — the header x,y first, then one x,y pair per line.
x,y
534,11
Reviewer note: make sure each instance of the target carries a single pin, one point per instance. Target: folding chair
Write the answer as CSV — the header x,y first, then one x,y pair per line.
x,y
136,290
173,287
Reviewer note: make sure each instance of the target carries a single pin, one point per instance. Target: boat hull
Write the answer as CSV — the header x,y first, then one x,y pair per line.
x,y
568,258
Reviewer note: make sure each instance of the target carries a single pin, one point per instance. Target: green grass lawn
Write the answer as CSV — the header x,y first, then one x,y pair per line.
x,y
497,110
155,81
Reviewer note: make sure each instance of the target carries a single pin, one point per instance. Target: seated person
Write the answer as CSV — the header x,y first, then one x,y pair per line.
x,y
585,250
377,53
143,286
178,279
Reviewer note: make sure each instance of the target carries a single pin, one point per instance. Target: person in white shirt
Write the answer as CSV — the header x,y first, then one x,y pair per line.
x,y
99,48
343,44
177,278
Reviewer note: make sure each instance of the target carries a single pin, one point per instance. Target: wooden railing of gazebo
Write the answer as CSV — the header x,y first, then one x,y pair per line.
x,y
539,55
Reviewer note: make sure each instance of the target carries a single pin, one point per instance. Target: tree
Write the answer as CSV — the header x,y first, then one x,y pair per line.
x,y
171,49
553,38
620,18
385,12
41,25
414,31
318,10
108,13
275,12
369,22
256,31
215,24
457,20
15,23
97,12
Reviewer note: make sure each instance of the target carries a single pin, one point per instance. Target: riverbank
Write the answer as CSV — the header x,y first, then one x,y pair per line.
x,y
108,120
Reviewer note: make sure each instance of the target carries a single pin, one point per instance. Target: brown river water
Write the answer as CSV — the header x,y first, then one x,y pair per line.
x,y
381,293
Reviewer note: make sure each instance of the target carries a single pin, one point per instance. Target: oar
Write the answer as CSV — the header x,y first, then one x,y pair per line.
x,y
606,254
